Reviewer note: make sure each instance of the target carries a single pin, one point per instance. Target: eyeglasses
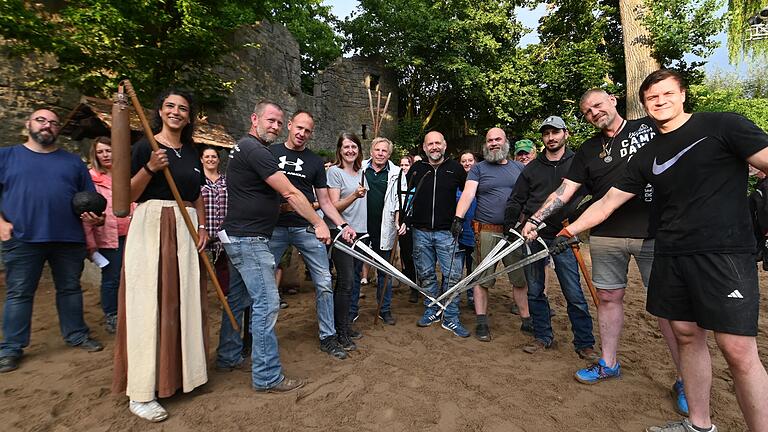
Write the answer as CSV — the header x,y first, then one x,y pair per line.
x,y
43,121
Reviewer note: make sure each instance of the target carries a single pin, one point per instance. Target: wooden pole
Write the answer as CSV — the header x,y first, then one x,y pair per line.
x,y
384,111
373,116
584,270
177,196
121,155
378,113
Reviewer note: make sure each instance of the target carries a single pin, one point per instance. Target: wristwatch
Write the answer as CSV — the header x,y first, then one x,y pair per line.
x,y
342,226
201,226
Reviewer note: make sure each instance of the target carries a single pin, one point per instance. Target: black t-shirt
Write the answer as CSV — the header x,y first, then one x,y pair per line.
x,y
306,171
633,219
252,205
186,169
699,176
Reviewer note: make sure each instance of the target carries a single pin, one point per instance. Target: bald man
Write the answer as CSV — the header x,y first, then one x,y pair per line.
x,y
491,182
436,180
39,225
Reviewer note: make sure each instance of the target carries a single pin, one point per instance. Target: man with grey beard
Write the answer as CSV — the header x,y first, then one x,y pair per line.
x,y
491,182
37,225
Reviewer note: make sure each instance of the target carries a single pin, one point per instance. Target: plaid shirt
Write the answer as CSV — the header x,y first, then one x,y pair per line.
x,y
215,198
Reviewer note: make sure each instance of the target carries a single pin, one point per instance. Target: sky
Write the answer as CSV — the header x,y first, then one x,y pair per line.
x,y
718,61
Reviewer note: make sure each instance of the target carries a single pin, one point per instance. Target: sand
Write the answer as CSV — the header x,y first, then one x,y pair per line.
x,y
402,378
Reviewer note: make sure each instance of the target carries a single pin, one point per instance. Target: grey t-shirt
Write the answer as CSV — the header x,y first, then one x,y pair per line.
x,y
356,214
495,183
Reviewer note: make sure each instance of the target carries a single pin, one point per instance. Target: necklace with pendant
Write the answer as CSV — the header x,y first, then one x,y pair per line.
x,y
605,155
175,150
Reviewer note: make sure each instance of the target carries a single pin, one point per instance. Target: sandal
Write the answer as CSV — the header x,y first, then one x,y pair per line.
x,y
150,411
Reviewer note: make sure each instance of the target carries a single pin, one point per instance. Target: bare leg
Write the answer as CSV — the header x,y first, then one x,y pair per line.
x,y
610,317
481,300
669,338
749,378
696,366
278,276
520,294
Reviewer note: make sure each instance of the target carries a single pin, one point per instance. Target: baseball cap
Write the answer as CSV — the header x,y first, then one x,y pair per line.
x,y
553,121
525,145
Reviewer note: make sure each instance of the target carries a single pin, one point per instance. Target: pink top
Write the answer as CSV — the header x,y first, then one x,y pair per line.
x,y
105,236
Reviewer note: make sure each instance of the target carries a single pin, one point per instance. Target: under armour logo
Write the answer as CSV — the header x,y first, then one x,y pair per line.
x,y
735,294
296,165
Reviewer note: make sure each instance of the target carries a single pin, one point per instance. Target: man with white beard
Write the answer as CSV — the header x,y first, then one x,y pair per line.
x,y
491,182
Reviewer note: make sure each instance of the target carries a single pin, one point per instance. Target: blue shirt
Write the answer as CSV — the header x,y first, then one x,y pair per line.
x,y
495,183
37,191
467,237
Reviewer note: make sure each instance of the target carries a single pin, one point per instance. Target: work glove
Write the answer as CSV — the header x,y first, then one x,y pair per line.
x,y
562,242
457,226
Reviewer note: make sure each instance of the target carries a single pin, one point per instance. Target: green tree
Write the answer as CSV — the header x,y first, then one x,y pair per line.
x,y
739,47
728,92
155,43
457,61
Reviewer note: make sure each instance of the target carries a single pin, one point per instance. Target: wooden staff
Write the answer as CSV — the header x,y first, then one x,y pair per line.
x,y
121,155
376,121
584,270
386,279
373,116
175,191
384,111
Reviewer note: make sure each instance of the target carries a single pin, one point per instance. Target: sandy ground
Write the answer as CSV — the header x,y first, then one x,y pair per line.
x,y
402,378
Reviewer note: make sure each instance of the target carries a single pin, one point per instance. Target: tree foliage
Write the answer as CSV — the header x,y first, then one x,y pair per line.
x,y
739,48
746,96
681,27
457,60
155,43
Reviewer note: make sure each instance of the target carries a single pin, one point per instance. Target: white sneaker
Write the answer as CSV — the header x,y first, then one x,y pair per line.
x,y
150,411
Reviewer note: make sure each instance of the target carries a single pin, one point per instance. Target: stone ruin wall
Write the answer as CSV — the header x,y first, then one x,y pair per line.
x,y
267,66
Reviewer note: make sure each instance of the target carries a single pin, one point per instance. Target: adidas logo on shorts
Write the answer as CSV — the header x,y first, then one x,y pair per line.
x,y
735,294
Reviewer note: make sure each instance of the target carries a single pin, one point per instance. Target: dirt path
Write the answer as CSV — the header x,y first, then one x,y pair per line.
x,y
402,378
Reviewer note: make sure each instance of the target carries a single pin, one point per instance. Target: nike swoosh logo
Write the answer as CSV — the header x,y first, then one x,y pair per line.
x,y
658,169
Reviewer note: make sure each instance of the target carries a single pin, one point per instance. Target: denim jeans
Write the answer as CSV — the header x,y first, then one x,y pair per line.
x,y
23,268
567,271
429,249
316,259
110,277
252,284
381,277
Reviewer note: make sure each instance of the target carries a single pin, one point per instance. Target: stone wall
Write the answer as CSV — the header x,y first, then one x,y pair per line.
x,y
341,100
20,96
268,66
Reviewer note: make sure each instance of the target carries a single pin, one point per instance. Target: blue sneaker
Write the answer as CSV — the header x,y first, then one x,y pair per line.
x,y
598,372
454,326
430,317
680,399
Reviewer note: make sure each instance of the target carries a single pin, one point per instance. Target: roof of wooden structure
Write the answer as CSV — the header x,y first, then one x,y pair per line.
x,y
92,117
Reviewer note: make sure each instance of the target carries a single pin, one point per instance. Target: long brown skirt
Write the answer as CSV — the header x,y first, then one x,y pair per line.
x,y
169,371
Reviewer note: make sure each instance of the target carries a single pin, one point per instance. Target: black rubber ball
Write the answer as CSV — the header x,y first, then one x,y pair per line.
x,y
89,202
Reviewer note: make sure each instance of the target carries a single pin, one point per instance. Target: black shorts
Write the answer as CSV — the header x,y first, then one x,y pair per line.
x,y
719,292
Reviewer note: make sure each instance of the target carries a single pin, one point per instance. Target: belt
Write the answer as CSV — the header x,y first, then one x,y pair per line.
x,y
479,226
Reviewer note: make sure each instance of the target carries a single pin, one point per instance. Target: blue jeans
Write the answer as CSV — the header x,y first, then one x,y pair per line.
x,y
381,277
429,249
110,277
567,271
252,284
23,267
316,259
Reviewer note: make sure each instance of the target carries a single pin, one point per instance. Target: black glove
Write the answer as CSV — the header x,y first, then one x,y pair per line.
x,y
561,244
457,226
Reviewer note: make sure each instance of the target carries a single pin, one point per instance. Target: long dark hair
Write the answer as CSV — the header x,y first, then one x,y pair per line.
x,y
157,122
352,137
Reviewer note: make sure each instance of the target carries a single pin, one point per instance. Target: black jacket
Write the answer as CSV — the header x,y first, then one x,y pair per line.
x,y
434,202
539,179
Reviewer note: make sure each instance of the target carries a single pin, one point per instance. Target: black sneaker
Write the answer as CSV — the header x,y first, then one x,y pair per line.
x,y
90,345
483,333
387,318
527,325
354,334
346,342
331,346
8,363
